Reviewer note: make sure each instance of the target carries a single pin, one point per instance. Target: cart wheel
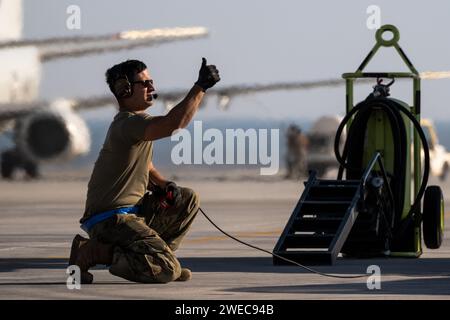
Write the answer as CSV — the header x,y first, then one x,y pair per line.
x,y
433,217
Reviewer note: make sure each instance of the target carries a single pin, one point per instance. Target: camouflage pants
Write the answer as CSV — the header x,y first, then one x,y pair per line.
x,y
145,242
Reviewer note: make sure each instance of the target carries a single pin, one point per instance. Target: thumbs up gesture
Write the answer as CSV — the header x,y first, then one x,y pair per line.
x,y
208,76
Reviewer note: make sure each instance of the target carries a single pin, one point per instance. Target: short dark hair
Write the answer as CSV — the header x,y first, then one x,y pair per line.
x,y
127,68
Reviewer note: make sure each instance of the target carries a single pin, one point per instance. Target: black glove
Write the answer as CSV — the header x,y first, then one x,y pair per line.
x,y
173,193
208,76
167,196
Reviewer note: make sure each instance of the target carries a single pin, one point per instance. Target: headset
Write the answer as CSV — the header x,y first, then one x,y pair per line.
x,y
122,87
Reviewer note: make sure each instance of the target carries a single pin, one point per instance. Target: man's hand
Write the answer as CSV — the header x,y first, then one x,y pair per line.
x,y
173,193
208,76
167,196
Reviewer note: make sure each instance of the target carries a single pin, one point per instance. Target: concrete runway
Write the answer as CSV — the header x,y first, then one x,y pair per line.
x,y
39,219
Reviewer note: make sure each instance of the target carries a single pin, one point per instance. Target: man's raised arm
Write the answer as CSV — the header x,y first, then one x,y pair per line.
x,y
180,116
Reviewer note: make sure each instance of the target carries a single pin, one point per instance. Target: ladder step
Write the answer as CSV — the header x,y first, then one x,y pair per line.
x,y
308,241
331,193
339,182
318,224
322,215
326,209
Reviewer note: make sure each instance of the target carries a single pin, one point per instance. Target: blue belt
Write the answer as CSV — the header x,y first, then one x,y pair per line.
x,y
89,223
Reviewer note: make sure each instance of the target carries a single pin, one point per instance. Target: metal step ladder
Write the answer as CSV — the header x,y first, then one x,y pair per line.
x,y
320,223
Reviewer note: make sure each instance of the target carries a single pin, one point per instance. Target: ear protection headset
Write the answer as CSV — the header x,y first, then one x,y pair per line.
x,y
122,87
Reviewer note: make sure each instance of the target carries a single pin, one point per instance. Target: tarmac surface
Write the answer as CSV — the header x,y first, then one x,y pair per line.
x,y
38,220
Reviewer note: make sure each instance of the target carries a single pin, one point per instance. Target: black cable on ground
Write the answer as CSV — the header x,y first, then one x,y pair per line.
x,y
280,257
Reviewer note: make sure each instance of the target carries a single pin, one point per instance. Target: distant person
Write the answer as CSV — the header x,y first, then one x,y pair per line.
x,y
297,149
133,231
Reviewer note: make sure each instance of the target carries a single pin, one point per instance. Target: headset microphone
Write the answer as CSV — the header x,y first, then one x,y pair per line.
x,y
155,96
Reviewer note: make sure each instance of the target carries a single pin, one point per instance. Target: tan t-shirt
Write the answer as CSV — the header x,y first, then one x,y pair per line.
x,y
120,176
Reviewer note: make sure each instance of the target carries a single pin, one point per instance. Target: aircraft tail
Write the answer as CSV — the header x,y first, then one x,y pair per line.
x,y
10,19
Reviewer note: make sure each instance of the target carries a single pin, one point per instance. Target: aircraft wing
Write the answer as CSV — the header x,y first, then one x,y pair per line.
x,y
11,111
226,93
170,97
63,47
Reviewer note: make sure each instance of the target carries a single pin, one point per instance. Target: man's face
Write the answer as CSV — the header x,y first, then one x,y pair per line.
x,y
142,90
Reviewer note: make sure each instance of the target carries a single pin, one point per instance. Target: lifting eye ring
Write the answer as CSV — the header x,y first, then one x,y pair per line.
x,y
383,30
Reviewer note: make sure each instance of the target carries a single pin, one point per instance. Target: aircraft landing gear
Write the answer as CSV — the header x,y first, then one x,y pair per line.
x,y
12,159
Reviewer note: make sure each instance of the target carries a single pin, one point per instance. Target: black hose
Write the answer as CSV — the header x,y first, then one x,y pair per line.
x,y
356,135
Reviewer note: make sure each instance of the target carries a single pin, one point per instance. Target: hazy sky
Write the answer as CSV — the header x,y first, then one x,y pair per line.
x,y
254,42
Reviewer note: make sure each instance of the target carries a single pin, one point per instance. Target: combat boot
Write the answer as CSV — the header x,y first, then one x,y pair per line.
x,y
86,253
185,275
